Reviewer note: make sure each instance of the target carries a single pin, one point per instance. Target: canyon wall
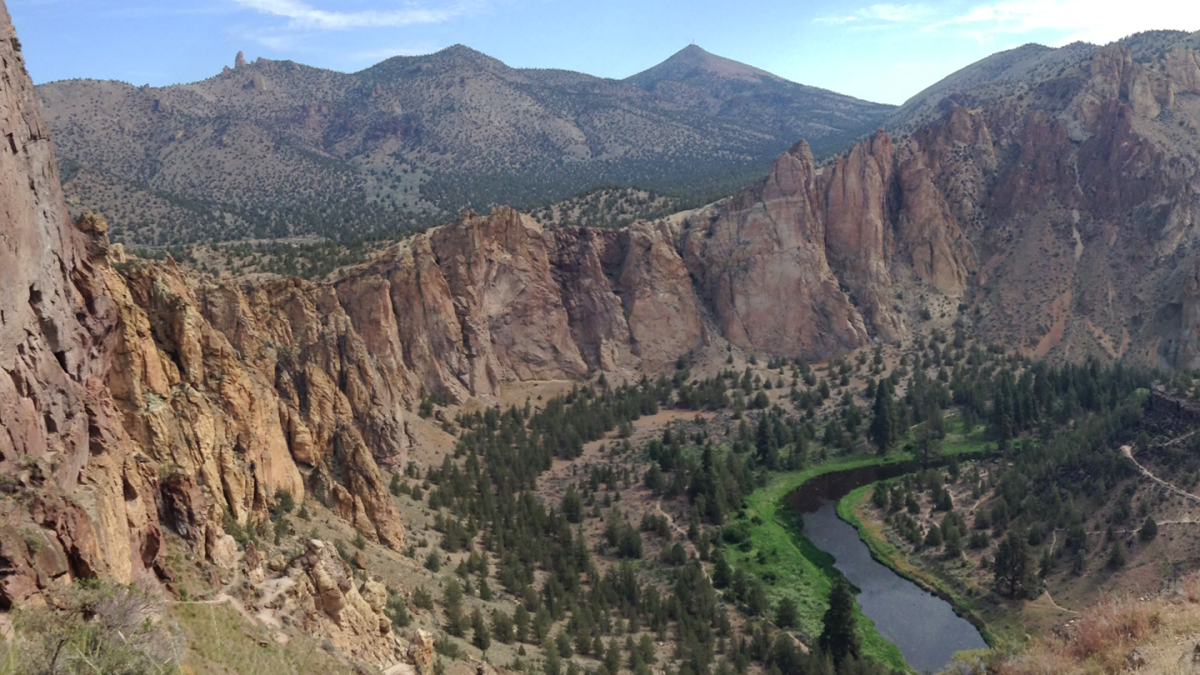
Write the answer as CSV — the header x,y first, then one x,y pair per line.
x,y
89,505
1058,215
141,395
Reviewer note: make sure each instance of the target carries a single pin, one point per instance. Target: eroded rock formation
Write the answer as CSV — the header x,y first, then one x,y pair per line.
x,y
136,395
93,511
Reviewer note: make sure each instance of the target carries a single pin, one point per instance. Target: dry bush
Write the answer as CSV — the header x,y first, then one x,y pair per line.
x,y
1111,628
93,628
1098,643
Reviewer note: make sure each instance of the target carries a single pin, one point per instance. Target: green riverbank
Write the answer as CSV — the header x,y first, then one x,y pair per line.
x,y
792,567
898,561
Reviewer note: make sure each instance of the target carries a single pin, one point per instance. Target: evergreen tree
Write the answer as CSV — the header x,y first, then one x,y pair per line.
x,y
612,656
722,573
928,446
1149,529
481,637
1047,564
553,664
521,623
933,538
1012,566
786,614
1116,557
883,418
763,440
502,626
953,540
839,637
572,505
452,605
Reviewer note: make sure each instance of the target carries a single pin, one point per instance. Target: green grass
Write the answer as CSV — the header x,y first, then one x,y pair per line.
x,y
795,567
221,641
797,564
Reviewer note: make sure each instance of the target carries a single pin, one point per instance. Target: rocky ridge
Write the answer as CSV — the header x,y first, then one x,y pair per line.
x,y
144,394
1059,215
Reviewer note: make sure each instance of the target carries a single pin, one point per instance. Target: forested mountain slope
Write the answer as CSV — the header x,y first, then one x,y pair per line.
x,y
272,149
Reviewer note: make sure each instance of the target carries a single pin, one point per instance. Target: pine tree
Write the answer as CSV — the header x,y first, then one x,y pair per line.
x,y
1012,566
929,447
521,623
722,573
553,664
1149,529
839,638
1116,557
572,505
763,441
786,614
953,539
452,604
481,637
883,418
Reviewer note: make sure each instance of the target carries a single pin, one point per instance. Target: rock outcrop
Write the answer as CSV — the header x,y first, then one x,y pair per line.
x,y
761,263
1059,214
488,300
329,603
91,503
811,260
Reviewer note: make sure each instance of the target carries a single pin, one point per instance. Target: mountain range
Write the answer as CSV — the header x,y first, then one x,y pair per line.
x,y
1044,201
273,149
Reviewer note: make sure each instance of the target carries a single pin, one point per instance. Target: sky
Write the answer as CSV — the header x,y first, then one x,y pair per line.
x,y
879,52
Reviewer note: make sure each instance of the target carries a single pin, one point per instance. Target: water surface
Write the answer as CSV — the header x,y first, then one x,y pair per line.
x,y
923,626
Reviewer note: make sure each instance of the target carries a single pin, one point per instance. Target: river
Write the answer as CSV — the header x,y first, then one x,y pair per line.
x,y
923,626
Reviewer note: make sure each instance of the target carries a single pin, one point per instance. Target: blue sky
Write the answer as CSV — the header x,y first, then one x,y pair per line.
x,y
882,52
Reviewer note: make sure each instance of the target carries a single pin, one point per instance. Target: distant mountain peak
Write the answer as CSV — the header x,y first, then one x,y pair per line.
x,y
692,51
694,61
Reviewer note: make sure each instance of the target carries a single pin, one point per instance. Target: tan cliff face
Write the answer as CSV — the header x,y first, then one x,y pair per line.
x,y
1060,218
91,502
761,264
138,395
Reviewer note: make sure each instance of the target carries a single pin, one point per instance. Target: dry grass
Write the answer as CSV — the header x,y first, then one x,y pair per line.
x,y
1164,630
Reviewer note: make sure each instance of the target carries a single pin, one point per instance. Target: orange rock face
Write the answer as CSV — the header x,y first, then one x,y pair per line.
x,y
60,436
1061,220
761,264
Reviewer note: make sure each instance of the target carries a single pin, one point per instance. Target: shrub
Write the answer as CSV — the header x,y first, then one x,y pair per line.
x,y
98,628
235,529
397,610
1149,529
284,503
422,599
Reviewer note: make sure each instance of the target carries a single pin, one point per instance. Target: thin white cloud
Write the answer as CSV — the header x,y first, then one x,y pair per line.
x,y
304,16
896,13
834,20
277,42
880,13
1096,21
1056,21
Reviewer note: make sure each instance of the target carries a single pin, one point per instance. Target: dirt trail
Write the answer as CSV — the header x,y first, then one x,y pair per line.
x,y
1050,598
1127,451
670,521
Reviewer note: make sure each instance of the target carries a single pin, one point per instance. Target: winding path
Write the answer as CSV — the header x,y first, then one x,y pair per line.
x,y
1127,451
1050,598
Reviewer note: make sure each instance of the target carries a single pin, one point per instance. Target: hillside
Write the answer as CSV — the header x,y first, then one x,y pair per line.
x,y
562,443
272,149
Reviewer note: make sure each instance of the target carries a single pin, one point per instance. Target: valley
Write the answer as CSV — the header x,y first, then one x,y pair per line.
x,y
782,392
